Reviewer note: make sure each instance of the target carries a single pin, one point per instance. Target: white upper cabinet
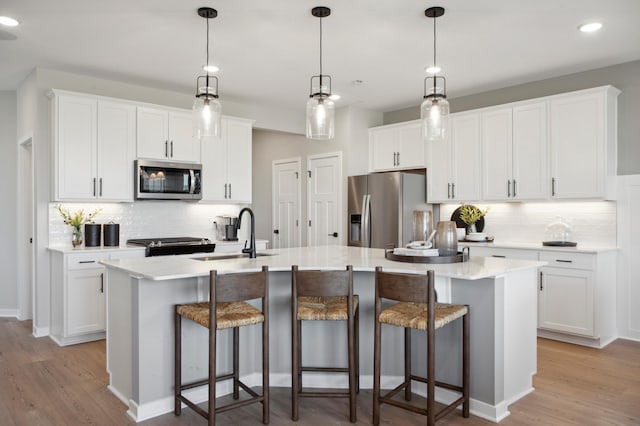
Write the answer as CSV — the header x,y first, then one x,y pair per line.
x,y
396,147
94,148
583,143
514,153
227,163
453,166
165,134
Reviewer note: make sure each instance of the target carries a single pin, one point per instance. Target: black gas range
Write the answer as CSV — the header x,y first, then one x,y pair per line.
x,y
173,245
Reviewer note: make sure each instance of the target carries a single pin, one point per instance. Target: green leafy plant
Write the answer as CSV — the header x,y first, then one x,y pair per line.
x,y
471,214
77,218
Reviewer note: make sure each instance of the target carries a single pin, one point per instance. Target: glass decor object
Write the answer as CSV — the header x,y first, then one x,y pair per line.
x,y
559,233
320,107
207,110
447,238
434,110
76,236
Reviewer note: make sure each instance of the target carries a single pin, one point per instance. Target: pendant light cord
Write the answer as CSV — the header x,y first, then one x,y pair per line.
x,y
321,55
434,55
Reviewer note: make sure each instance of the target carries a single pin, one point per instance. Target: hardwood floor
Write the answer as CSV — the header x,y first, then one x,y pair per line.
x,y
43,384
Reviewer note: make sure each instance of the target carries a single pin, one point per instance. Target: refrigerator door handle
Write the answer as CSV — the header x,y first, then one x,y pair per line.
x,y
366,221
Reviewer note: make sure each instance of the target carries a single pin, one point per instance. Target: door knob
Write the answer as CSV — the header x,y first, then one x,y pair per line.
x,y
335,234
276,231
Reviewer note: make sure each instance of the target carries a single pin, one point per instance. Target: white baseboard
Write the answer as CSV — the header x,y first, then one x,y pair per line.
x,y
493,413
8,313
592,342
66,341
40,331
634,338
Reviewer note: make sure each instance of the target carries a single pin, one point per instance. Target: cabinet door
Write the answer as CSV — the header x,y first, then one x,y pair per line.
x,y
578,146
410,146
566,300
439,171
116,151
382,143
182,145
85,301
530,164
152,134
238,139
75,148
497,155
465,156
214,168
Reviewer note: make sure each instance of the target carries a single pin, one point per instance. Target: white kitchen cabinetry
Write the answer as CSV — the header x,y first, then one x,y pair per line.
x,y
78,295
396,146
583,143
165,134
94,148
226,163
453,165
514,153
504,253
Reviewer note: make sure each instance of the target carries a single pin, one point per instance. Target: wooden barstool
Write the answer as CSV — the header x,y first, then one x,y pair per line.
x,y
226,308
324,296
417,309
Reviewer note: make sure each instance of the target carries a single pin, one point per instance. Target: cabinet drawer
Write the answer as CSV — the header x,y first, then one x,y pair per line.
x,y
569,260
85,260
504,253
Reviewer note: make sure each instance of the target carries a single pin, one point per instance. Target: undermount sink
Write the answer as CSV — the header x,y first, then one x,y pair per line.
x,y
230,256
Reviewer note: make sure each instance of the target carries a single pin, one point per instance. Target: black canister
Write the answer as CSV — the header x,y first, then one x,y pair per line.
x,y
92,234
111,234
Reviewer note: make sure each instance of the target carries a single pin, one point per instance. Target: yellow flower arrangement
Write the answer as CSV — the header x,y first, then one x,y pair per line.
x,y
77,218
471,214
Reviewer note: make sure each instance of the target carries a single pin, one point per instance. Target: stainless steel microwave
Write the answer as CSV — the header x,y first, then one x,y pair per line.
x,y
162,180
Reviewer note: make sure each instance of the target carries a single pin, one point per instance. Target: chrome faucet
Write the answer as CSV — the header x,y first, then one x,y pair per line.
x,y
252,246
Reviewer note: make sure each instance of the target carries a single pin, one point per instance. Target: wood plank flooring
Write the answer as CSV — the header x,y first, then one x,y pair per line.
x,y
43,384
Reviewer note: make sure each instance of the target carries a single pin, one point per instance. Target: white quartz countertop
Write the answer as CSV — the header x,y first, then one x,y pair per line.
x,y
99,249
323,257
539,247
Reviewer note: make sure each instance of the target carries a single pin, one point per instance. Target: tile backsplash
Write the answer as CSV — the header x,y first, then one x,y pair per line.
x,y
593,222
147,219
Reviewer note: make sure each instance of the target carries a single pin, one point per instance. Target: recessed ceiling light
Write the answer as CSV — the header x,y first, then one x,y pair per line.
x,y
433,70
590,27
210,68
334,97
9,22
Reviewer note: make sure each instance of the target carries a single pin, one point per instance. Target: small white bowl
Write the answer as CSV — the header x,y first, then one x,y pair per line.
x,y
476,236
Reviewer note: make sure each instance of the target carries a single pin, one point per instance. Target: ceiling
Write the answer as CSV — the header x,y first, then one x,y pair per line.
x,y
267,50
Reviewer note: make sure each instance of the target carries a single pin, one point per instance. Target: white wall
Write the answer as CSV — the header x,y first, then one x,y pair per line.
x,y
8,213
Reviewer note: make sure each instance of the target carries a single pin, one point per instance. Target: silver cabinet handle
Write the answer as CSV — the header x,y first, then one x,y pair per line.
x,y
171,149
229,191
398,158
508,188
448,190
453,190
87,261
166,149
553,187
564,261
94,187
101,187
102,283
541,286
514,187
499,255
225,191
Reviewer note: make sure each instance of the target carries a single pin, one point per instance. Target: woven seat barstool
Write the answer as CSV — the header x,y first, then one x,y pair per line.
x,y
226,308
324,296
417,309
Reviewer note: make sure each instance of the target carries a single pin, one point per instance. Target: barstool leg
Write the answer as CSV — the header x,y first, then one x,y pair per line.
x,y
236,363
407,363
376,372
466,349
351,350
212,375
431,379
357,349
177,364
265,371
295,366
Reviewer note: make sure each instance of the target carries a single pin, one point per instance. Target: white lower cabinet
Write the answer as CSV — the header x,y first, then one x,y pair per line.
x,y
576,293
78,295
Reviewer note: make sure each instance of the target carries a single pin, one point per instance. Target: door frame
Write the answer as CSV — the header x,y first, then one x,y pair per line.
x,y
26,229
340,224
274,163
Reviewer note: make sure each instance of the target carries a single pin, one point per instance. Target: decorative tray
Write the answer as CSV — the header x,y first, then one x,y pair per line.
x,y
462,256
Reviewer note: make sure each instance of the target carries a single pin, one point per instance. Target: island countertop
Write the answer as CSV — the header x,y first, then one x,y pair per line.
x,y
324,257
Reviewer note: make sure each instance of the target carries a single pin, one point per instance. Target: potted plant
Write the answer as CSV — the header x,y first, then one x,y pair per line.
x,y
470,215
76,220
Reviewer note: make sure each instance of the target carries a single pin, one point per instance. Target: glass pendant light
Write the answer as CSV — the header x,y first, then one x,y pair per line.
x,y
434,111
207,111
320,107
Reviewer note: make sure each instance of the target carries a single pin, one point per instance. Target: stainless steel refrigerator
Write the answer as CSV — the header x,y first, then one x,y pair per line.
x,y
380,208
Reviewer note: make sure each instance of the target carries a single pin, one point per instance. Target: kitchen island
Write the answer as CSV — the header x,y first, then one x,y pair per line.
x,y
141,294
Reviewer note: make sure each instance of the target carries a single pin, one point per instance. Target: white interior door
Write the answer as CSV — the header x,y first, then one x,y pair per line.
x,y
286,203
325,195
